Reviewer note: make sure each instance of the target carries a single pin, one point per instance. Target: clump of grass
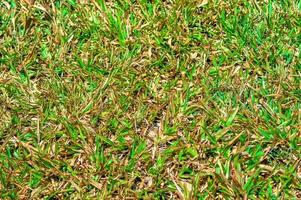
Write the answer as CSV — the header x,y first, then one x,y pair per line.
x,y
150,99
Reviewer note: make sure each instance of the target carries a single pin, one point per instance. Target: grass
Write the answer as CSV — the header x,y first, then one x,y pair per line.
x,y
153,99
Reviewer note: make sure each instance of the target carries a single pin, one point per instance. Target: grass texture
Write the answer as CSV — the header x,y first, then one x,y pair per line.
x,y
140,99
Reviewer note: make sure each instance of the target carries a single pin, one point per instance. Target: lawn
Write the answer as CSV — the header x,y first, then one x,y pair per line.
x,y
150,99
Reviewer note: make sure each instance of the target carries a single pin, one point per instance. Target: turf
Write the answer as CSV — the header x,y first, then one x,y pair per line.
x,y
137,99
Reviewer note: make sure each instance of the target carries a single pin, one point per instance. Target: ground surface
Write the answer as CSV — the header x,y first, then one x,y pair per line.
x,y
150,99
